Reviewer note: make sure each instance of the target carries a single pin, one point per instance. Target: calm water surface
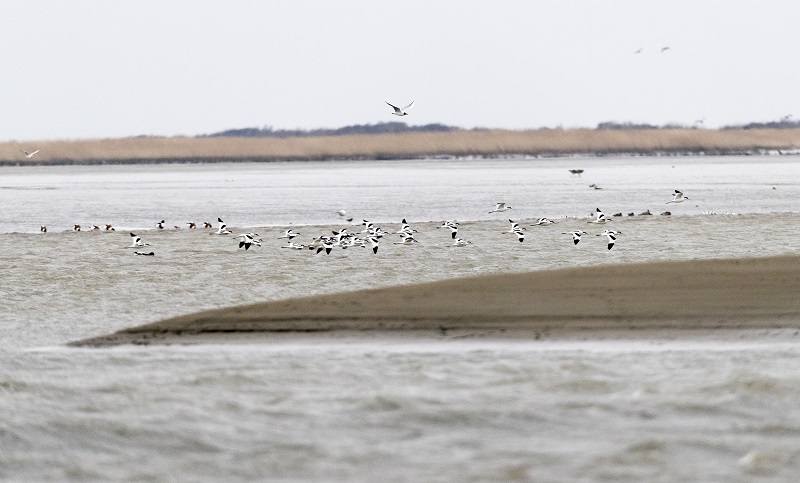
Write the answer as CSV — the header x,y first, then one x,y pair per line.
x,y
621,410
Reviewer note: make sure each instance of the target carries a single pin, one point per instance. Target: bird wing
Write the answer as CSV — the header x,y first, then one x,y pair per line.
x,y
409,106
396,109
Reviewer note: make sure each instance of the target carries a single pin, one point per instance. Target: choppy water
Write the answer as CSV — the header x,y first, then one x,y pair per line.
x,y
666,409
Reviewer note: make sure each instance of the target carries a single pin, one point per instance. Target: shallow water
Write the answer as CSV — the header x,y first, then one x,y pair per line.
x,y
619,410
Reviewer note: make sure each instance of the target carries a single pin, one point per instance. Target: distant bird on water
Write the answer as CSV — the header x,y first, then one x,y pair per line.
x,y
43,229
29,155
398,111
576,172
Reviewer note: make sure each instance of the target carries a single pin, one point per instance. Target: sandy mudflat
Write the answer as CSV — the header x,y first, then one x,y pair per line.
x,y
702,295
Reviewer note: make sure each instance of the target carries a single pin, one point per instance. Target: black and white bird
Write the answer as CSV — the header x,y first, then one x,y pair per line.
x,y
294,246
29,155
146,254
325,243
677,197
43,229
576,172
612,237
576,235
516,230
543,221
247,240
460,242
398,111
500,207
160,225
453,226
222,229
137,242
599,217
407,239
374,242
289,234
405,229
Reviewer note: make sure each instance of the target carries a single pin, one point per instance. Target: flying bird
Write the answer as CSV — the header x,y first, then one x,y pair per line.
x,y
223,228
398,111
600,217
29,155
500,207
677,197
612,237
665,48
137,242
576,235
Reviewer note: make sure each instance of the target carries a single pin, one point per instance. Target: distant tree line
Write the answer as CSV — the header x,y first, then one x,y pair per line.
x,y
380,128
401,127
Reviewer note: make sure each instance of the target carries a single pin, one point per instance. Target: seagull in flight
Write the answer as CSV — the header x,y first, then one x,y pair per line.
x,y
398,111
677,197
500,207
31,154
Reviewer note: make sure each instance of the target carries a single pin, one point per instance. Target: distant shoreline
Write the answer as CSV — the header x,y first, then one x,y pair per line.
x,y
485,144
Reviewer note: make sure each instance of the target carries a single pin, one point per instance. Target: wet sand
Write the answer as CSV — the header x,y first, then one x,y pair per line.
x,y
699,296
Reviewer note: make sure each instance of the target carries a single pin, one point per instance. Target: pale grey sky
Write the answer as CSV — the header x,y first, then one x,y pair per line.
x,y
96,68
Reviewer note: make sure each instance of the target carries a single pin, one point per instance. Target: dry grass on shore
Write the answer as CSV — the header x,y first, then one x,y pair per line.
x,y
399,146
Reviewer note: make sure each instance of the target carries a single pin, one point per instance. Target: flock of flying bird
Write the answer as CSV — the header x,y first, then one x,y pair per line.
x,y
371,235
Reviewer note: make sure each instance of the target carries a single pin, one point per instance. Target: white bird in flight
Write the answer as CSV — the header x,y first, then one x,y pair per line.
x,y
677,197
398,111
31,154
137,242
499,207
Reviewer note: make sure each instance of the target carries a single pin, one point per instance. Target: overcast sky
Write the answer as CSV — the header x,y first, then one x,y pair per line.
x,y
94,69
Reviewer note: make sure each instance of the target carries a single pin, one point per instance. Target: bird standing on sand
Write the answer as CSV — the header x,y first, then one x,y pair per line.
x,y
398,111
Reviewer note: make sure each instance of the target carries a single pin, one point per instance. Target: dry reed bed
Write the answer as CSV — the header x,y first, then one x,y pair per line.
x,y
398,146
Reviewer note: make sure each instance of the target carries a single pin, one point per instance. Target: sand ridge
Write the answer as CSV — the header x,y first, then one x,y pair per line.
x,y
733,293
